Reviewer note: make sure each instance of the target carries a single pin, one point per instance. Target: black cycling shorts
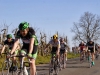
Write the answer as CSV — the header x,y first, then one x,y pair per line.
x,y
62,50
91,50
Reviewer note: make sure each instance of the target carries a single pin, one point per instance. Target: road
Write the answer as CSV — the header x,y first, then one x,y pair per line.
x,y
74,67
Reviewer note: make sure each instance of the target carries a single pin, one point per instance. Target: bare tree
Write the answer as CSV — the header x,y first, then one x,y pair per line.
x,y
14,31
88,27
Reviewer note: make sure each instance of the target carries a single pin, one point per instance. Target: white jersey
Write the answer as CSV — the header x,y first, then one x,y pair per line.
x,y
63,45
55,44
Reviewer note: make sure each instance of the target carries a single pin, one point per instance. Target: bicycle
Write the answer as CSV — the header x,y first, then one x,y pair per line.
x,y
55,66
97,55
84,57
23,70
62,60
8,66
90,59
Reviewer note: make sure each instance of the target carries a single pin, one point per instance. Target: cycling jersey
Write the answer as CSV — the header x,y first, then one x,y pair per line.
x,y
63,46
90,46
81,46
55,45
26,40
10,44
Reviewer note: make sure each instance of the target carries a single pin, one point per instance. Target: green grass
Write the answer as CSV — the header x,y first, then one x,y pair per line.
x,y
46,59
72,55
42,60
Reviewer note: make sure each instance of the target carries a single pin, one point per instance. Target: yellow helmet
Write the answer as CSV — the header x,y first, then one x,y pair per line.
x,y
55,36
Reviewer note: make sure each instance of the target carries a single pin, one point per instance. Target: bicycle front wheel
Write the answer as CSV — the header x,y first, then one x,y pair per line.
x,y
51,69
56,67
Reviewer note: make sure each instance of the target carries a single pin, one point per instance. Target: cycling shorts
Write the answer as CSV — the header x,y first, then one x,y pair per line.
x,y
24,51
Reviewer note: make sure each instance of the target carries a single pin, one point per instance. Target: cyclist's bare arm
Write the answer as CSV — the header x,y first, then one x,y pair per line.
x,y
17,41
18,47
31,45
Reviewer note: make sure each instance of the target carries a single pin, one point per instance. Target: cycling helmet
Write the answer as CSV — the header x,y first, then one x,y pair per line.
x,y
23,25
82,42
9,36
55,36
61,39
90,39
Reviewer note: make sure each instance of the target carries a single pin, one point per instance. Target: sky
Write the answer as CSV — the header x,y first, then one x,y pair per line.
x,y
47,16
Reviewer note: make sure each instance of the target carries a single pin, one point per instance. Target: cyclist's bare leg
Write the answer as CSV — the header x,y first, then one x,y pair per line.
x,y
93,57
81,52
65,55
89,53
14,60
58,55
32,67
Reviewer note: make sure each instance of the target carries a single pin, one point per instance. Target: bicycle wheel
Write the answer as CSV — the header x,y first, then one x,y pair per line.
x,y
5,68
56,67
51,68
14,70
90,62
20,73
61,62
64,63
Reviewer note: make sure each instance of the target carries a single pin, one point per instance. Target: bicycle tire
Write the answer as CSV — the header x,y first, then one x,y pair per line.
x,y
56,67
56,70
19,73
51,69
90,62
14,72
64,63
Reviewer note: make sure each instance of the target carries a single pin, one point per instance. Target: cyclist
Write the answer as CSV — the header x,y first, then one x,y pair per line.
x,y
82,52
63,48
30,44
55,43
9,42
97,50
91,47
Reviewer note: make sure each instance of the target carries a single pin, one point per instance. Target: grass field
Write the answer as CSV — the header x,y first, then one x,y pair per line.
x,y
46,59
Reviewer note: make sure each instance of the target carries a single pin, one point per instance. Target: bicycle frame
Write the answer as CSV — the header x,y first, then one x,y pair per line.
x,y
90,59
53,65
8,64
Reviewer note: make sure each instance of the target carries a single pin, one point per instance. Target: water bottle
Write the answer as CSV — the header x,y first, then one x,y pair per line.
x,y
28,71
25,71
